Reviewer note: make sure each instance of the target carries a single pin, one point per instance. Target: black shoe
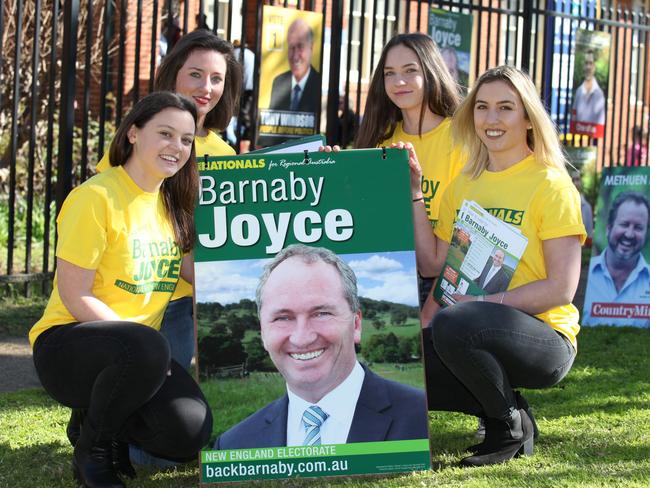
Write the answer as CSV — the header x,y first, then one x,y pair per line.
x,y
121,459
73,429
92,466
504,440
480,434
523,404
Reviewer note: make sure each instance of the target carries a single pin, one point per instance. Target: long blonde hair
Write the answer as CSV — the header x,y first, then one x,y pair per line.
x,y
542,138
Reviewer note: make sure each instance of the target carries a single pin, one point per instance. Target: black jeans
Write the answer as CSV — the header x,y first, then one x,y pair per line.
x,y
118,372
477,352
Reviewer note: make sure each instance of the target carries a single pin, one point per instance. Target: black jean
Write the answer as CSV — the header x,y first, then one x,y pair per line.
x,y
477,352
118,372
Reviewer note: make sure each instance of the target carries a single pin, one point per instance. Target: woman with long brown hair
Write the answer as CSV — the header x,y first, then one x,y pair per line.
x,y
411,99
203,68
124,241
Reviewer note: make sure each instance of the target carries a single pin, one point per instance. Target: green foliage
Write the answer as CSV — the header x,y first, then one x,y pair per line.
x,y
221,334
221,347
20,216
18,314
378,323
20,233
247,304
398,317
370,308
209,311
257,359
389,348
40,182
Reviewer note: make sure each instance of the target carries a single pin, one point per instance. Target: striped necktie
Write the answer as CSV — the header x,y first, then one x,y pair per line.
x,y
295,98
312,419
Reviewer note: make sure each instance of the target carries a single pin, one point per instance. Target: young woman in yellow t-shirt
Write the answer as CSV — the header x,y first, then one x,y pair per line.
x,y
203,68
524,336
410,100
123,235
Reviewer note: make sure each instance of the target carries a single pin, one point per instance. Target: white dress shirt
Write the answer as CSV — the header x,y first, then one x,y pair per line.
x,y
339,404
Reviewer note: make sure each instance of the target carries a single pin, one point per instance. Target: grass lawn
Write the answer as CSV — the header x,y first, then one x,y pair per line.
x,y
595,430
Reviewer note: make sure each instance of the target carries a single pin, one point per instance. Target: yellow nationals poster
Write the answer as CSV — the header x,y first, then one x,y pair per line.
x,y
290,78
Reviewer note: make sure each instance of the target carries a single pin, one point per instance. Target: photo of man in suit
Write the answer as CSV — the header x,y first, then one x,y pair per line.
x,y
310,320
494,278
299,89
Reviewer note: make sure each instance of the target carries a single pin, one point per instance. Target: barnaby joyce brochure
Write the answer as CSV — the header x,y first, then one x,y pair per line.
x,y
483,254
275,413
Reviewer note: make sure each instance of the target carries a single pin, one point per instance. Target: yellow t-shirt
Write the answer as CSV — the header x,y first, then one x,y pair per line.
x,y
110,225
210,144
440,160
540,201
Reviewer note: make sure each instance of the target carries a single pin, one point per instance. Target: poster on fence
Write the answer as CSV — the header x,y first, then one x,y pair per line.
x,y
309,346
590,80
452,33
583,162
618,286
290,78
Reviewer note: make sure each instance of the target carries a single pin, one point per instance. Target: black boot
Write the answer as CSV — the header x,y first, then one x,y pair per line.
x,y
523,404
481,432
92,462
121,459
504,440
73,429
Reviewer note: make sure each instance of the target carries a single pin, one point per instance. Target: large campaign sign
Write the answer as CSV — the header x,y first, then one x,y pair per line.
x,y
618,287
307,374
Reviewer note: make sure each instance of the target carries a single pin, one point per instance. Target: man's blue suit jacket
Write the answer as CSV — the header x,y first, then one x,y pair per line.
x,y
281,93
386,411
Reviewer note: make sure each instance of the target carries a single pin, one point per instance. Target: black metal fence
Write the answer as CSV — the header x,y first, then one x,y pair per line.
x,y
70,70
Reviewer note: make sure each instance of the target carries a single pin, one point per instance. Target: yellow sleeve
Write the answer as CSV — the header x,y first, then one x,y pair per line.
x,y
457,162
104,163
84,213
446,215
558,214
212,145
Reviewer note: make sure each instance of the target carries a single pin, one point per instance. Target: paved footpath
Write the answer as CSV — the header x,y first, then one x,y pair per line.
x,y
16,365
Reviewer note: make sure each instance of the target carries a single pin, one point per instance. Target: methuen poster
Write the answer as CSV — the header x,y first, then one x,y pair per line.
x,y
618,286
290,78
356,204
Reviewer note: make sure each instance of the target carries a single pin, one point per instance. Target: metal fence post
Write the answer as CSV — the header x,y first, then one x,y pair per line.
x,y
66,118
526,37
335,72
